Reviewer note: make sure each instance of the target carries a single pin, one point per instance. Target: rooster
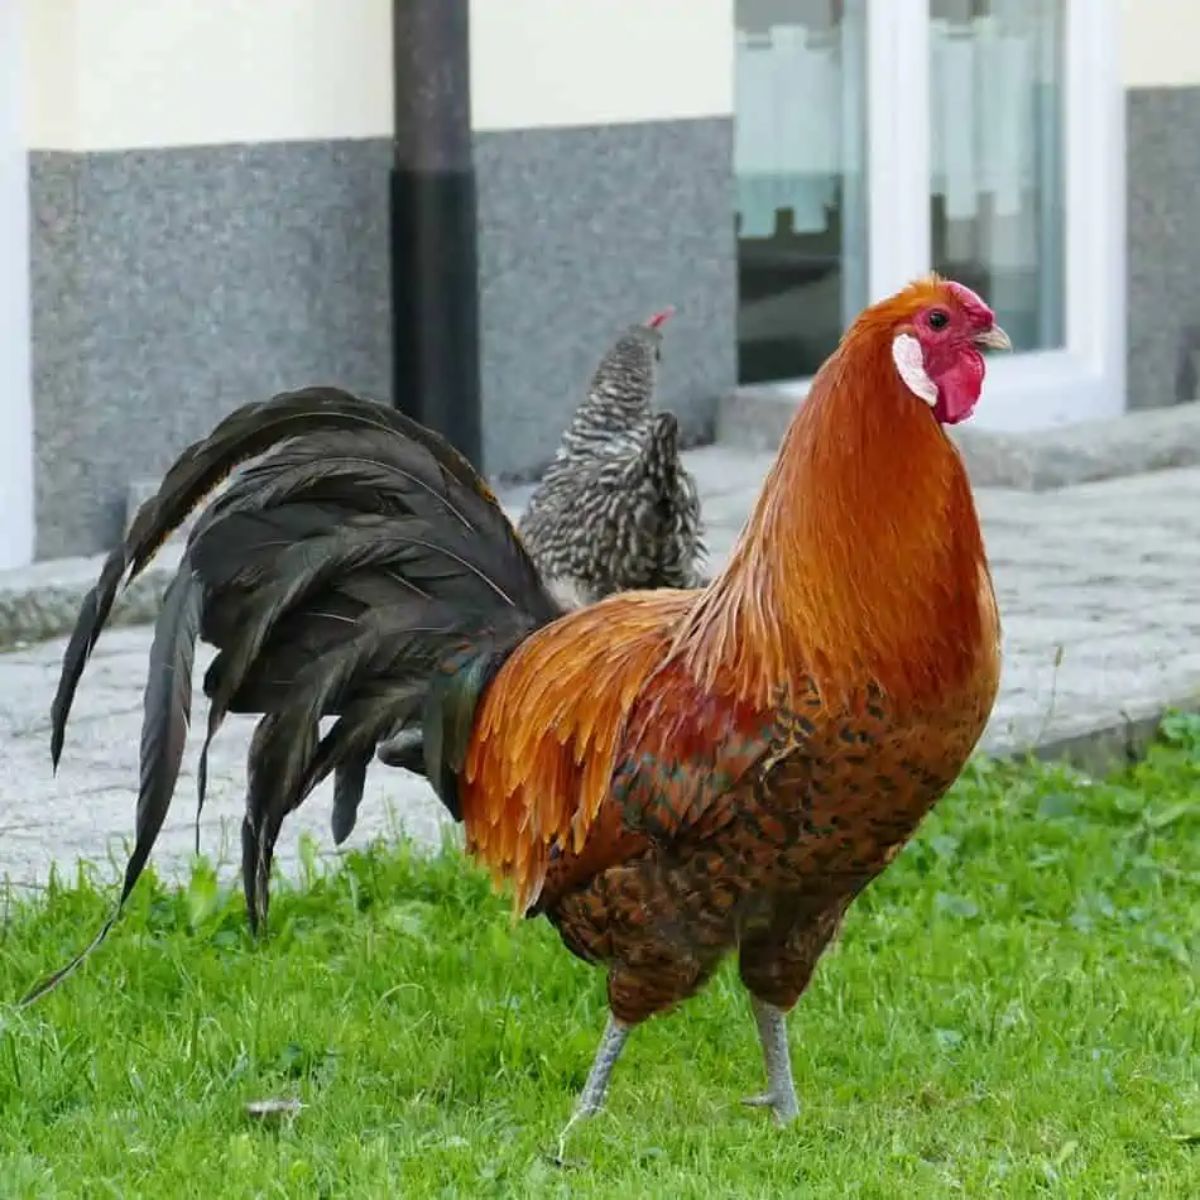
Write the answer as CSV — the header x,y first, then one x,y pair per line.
x,y
616,510
666,776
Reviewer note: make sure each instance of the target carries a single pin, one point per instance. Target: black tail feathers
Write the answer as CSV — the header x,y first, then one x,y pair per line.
x,y
359,568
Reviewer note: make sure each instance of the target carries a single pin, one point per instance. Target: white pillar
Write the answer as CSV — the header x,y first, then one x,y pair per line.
x,y
16,391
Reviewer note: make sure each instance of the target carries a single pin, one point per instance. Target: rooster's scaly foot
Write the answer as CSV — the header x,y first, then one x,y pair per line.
x,y
780,1096
592,1098
786,1108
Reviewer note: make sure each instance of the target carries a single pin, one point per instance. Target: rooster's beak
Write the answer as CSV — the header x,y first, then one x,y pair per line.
x,y
993,339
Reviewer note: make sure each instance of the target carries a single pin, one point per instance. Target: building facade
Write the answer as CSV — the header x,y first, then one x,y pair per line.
x,y
194,209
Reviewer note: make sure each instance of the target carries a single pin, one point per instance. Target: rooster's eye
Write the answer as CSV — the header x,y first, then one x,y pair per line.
x,y
938,319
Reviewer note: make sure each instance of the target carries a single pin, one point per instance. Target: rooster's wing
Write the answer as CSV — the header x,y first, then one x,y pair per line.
x,y
593,741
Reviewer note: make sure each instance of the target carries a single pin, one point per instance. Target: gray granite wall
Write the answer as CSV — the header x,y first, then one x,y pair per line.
x,y
171,285
581,232
1163,301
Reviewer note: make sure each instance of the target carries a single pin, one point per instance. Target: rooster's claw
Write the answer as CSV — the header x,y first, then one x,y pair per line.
x,y
785,1108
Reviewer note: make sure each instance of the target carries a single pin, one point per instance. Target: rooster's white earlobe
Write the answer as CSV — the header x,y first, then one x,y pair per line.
x,y
910,362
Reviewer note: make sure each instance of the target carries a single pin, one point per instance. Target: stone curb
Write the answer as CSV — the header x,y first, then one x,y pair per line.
x,y
1098,748
42,602
1141,441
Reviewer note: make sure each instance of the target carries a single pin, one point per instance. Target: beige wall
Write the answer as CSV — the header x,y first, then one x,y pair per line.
x,y
538,63
117,74
1160,43
111,74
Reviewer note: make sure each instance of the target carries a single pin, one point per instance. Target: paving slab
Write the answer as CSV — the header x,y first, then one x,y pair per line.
x,y
1099,589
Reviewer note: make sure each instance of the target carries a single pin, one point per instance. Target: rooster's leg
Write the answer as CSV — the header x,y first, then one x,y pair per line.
x,y
591,1098
780,1095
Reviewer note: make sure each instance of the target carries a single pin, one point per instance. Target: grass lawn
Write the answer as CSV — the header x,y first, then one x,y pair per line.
x,y
1011,1011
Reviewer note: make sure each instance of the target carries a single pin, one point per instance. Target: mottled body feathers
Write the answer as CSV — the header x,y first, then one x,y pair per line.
x,y
616,510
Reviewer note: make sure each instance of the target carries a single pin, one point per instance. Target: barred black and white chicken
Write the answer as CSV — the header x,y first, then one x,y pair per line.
x,y
617,510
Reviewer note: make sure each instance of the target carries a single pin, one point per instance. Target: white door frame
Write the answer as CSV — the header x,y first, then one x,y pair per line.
x,y
1086,379
16,392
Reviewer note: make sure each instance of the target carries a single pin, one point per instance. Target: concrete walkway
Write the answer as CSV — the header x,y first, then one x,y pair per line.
x,y
1099,589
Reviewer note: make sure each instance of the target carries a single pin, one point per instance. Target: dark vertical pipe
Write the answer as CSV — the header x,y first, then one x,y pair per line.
x,y
435,299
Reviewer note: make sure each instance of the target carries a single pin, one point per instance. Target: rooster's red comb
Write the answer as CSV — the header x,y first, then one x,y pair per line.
x,y
660,318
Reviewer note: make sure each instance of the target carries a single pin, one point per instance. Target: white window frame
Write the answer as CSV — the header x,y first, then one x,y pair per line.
x,y
1085,380
16,392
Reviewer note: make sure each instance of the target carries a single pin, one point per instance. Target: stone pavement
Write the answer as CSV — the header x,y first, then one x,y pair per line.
x,y
1099,590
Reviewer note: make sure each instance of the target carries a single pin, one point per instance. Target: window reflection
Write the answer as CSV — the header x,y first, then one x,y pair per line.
x,y
996,106
800,160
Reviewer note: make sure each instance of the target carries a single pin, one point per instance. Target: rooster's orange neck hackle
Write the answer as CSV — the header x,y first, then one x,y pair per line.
x,y
863,557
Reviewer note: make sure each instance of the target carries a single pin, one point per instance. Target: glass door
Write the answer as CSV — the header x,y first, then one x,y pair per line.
x,y
800,160
997,183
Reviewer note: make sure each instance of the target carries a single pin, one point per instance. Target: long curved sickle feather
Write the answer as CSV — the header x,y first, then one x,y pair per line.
x,y
168,704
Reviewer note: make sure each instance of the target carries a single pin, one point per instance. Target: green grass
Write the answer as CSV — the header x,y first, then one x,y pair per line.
x,y
1011,1011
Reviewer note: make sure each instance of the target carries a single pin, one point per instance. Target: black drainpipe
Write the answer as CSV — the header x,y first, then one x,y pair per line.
x,y
435,298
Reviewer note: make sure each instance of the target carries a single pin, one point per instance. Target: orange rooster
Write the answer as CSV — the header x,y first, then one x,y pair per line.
x,y
667,776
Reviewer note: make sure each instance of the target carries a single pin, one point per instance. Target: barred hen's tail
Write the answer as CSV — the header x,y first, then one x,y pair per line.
x,y
668,513
359,569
